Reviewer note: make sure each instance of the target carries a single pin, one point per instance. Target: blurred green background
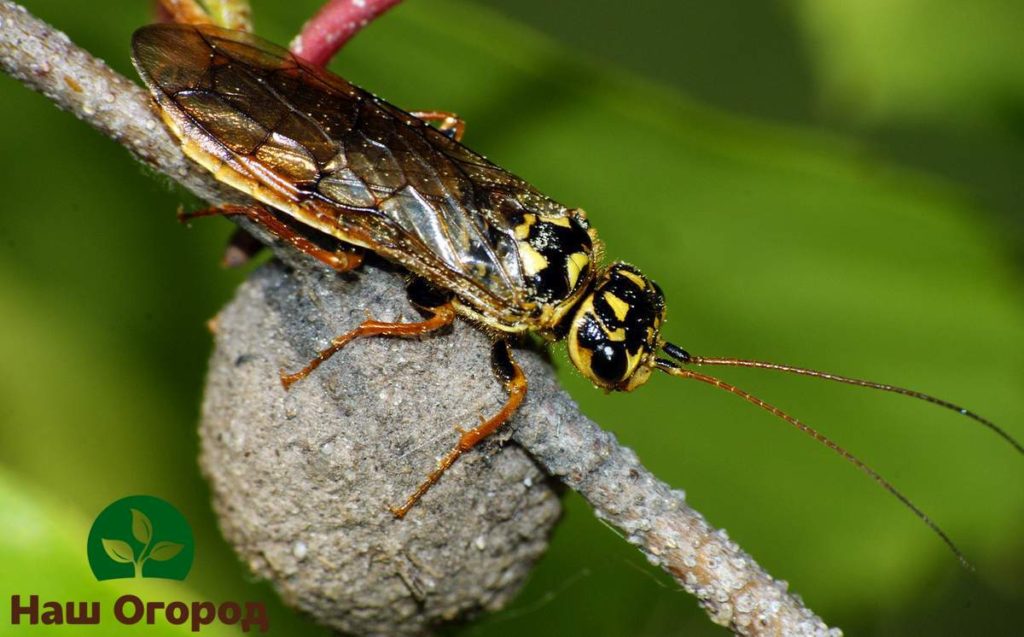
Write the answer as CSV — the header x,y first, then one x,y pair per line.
x,y
817,182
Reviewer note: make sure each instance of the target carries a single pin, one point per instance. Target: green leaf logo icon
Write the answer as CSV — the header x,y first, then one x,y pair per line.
x,y
120,552
140,536
164,551
142,528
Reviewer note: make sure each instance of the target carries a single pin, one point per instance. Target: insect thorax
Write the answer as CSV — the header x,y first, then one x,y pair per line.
x,y
556,253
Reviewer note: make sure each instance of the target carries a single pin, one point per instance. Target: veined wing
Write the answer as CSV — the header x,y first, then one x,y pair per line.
x,y
339,159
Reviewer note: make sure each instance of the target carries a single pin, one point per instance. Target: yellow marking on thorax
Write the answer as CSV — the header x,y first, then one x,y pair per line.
x,y
533,261
574,265
523,229
617,336
620,307
557,221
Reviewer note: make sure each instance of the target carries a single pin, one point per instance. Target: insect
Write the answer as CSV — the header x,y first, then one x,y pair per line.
x,y
323,156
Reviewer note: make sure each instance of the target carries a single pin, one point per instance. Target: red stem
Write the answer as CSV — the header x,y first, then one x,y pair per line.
x,y
334,25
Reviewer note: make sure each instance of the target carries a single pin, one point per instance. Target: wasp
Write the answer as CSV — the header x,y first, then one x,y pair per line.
x,y
323,156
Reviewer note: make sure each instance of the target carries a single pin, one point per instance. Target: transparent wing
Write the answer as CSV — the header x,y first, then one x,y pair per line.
x,y
349,163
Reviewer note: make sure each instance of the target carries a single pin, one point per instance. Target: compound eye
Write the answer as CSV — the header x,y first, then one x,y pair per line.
x,y
609,362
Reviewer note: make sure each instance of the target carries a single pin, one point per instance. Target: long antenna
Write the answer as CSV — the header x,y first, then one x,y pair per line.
x,y
673,369
683,356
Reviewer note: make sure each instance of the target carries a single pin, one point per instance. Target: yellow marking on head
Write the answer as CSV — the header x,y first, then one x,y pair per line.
x,y
580,356
632,360
523,229
574,265
617,336
533,261
556,221
620,307
634,277
640,376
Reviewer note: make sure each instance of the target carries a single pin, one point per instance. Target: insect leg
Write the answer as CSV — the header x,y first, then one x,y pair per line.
x,y
186,11
511,375
340,260
437,305
448,123
230,14
241,247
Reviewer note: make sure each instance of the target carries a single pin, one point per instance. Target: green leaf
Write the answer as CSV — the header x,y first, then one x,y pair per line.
x,y
119,551
164,551
142,528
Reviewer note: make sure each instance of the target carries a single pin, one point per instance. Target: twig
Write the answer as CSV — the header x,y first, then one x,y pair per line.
x,y
334,25
46,60
733,589
729,584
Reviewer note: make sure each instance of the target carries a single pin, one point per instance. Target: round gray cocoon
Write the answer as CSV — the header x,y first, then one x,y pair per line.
x,y
302,479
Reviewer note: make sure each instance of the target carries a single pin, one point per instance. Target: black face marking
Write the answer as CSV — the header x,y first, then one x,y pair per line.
x,y
547,270
621,302
608,360
610,363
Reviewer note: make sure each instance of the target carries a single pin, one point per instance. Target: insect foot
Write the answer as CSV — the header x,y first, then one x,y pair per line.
x,y
302,479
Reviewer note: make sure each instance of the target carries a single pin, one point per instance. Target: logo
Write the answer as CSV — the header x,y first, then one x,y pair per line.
x,y
140,536
137,537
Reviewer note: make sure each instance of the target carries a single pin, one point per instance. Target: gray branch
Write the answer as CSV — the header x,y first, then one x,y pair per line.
x,y
301,478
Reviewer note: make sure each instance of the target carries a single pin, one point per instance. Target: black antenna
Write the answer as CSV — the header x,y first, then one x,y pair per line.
x,y
672,368
685,357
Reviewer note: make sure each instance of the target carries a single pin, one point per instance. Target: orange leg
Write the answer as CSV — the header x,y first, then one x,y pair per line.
x,y
512,377
340,260
230,14
186,11
448,123
442,317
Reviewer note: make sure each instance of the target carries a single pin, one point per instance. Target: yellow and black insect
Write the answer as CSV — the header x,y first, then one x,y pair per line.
x,y
325,156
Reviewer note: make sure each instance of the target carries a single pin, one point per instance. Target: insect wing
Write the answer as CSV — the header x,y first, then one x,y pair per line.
x,y
337,158
204,79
